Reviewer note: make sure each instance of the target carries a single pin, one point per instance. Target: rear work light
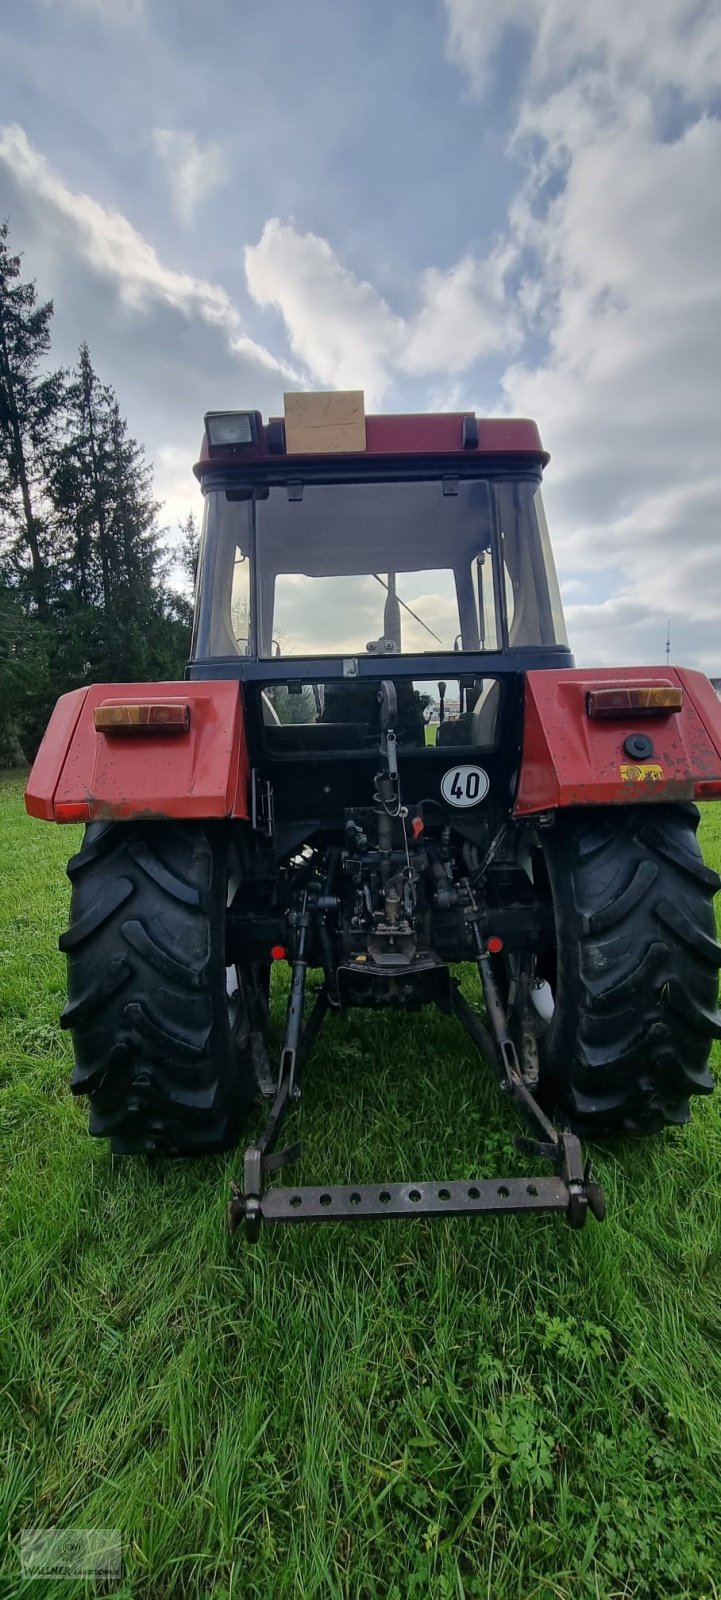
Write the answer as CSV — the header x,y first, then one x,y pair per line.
x,y
634,700
230,430
159,717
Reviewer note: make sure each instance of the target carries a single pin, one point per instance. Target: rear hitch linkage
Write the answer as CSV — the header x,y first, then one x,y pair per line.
x,y
572,1191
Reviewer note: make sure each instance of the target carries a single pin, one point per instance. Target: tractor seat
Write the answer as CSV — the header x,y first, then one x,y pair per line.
x,y
485,715
456,730
476,727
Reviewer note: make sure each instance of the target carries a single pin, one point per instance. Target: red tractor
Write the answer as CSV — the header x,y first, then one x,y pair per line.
x,y
383,762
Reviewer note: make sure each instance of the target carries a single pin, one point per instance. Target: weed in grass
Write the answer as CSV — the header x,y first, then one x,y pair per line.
x,y
423,1411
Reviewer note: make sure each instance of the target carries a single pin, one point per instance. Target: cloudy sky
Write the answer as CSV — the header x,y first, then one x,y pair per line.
x,y
512,206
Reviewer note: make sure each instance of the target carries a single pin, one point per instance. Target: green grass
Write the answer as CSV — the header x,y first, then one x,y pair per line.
x,y
449,1409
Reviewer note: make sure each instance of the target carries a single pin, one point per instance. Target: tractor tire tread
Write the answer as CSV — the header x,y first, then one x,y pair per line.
x,y
637,969
673,916
159,957
676,850
78,1011
623,989
173,885
165,1065
618,908
110,898
99,838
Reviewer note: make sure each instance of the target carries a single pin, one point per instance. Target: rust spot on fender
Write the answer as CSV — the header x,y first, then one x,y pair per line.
x,y
123,811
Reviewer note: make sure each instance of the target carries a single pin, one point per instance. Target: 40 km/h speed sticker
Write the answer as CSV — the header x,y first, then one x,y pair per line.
x,y
464,786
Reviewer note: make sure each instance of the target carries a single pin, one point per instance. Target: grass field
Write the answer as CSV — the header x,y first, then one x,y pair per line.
x,y
423,1410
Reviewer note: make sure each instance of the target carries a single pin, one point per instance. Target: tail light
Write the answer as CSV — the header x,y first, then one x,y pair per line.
x,y
160,716
708,789
72,811
634,700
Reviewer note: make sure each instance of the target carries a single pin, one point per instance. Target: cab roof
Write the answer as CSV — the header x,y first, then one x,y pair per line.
x,y
317,426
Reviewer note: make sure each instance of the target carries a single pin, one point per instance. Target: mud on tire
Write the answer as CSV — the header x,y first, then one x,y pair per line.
x,y
636,981
160,1049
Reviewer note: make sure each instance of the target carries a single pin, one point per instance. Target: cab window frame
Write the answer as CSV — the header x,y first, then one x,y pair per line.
x,y
255,484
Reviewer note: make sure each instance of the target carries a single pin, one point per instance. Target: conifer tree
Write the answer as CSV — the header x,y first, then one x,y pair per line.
x,y
85,592
114,569
190,548
30,401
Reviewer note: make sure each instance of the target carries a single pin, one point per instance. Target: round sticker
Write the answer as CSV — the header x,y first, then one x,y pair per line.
x,y
464,786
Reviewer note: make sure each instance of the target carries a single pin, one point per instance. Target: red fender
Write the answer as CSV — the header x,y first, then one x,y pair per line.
x,y
82,774
572,759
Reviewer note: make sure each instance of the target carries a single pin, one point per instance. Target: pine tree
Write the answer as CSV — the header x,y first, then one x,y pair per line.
x,y
134,525
120,616
29,409
84,585
190,548
23,678
80,486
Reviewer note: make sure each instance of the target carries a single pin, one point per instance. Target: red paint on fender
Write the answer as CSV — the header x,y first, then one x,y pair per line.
x,y
203,773
48,763
570,759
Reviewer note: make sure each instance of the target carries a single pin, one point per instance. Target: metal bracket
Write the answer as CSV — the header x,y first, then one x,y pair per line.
x,y
483,1197
247,1204
560,1146
572,1191
261,802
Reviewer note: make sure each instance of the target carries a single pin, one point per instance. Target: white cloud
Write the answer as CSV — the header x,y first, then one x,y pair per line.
x,y
627,396
118,12
649,45
172,344
193,170
621,220
475,29
465,313
626,630
115,250
349,337
338,326
174,484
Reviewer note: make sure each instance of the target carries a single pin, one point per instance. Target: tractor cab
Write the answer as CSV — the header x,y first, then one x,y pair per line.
x,y
418,551
297,564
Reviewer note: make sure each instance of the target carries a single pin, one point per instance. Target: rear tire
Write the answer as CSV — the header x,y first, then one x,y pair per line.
x,y
161,1045
636,979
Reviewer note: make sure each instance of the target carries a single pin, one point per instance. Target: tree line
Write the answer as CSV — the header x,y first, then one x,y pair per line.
x,y
85,590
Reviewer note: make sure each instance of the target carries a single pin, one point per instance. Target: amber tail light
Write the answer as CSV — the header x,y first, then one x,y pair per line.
x,y
634,700
170,716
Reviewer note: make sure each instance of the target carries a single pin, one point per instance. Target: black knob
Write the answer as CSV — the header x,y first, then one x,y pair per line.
x,y
638,746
